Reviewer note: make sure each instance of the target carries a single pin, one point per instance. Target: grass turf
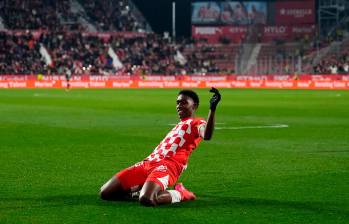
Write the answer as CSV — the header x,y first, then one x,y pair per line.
x,y
57,148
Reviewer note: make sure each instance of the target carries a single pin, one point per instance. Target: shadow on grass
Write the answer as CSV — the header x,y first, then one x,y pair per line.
x,y
221,201
59,200
203,201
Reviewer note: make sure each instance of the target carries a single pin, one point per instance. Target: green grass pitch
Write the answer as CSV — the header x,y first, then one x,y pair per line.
x,y
57,148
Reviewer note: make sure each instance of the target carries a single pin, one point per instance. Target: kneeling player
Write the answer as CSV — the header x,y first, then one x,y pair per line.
x,y
165,164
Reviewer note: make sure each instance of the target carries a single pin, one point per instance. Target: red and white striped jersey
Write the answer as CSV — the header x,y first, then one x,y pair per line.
x,y
179,142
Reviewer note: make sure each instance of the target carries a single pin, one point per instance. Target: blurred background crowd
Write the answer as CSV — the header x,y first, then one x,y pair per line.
x,y
107,37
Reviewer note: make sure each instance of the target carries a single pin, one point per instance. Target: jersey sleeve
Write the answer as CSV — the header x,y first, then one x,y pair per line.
x,y
200,125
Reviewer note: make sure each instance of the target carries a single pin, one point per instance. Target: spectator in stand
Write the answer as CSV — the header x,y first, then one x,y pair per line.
x,y
333,69
346,68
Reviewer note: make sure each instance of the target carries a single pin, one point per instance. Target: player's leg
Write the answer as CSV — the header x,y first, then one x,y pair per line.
x,y
67,88
149,193
152,194
178,194
124,183
154,189
113,190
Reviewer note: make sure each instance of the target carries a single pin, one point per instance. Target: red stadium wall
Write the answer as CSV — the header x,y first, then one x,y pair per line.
x,y
221,81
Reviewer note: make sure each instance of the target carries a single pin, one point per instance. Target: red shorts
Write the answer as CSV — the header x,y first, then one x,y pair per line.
x,y
163,173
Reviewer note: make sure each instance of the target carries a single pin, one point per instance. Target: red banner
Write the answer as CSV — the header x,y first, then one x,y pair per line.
x,y
214,33
271,33
225,81
295,12
237,33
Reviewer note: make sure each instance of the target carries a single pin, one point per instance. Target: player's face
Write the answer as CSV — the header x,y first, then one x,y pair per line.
x,y
185,106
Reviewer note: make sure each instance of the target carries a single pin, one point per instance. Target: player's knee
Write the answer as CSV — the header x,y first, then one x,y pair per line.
x,y
147,201
104,195
107,190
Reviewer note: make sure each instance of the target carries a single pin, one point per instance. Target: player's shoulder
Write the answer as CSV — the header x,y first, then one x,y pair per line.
x,y
193,121
199,120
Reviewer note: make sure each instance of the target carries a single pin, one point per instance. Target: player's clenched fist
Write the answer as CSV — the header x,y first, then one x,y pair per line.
x,y
215,98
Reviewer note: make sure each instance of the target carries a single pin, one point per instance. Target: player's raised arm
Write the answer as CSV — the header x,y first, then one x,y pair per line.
x,y
208,132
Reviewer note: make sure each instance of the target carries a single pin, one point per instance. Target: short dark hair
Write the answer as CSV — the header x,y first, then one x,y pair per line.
x,y
191,94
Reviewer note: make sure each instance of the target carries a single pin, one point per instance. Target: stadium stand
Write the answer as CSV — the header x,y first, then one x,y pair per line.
x,y
87,54
81,54
33,14
336,62
149,54
19,54
333,65
282,58
203,57
108,16
47,37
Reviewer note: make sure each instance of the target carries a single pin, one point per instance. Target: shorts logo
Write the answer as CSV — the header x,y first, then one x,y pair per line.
x,y
161,168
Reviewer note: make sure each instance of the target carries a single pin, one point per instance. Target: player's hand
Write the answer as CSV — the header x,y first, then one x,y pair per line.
x,y
215,98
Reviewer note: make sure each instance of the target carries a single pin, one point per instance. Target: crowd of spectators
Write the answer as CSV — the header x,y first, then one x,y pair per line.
x,y
298,56
334,64
20,54
29,14
151,54
69,47
109,15
154,54
81,54
142,54
88,54
209,58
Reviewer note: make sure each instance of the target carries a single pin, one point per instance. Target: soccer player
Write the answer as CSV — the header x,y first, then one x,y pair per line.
x,y
67,77
169,159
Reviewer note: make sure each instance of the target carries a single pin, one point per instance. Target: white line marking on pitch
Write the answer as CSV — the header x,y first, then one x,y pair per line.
x,y
176,124
253,127
247,127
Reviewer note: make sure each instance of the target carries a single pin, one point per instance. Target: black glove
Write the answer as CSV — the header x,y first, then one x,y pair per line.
x,y
215,98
